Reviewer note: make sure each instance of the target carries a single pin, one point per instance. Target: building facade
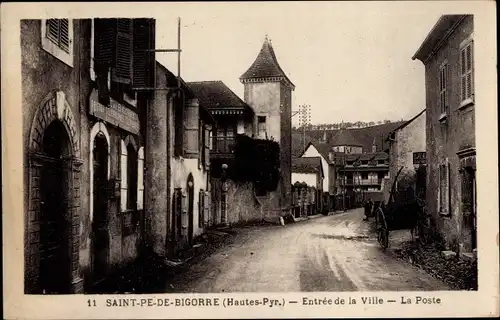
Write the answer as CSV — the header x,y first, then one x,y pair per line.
x,y
268,90
308,173
406,145
448,56
83,149
177,181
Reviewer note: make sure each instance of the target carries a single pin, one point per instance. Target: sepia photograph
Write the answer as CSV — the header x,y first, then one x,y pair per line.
x,y
247,150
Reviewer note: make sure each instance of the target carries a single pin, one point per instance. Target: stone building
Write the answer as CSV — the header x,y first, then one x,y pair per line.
x,y
406,144
233,117
268,90
83,149
178,161
322,150
448,56
309,172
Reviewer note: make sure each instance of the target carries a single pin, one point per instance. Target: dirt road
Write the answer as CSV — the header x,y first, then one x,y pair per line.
x,y
329,253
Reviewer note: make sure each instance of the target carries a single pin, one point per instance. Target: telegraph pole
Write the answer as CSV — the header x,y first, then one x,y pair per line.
x,y
304,121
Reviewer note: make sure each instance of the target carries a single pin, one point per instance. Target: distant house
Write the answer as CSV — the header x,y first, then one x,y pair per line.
x,y
363,137
448,56
309,170
322,151
406,142
361,176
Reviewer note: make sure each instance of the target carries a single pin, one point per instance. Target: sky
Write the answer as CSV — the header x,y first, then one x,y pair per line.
x,y
349,62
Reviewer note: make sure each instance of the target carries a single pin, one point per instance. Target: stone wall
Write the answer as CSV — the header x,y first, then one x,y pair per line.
x,y
447,137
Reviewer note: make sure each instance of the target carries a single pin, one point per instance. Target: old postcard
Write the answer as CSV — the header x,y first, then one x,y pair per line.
x,y
249,159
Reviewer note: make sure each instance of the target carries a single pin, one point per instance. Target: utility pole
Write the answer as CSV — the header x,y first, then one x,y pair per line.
x,y
304,121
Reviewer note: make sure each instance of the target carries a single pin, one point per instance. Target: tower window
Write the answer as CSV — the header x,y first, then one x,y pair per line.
x,y
262,126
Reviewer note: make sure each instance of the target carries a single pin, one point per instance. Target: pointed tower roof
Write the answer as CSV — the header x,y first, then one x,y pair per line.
x,y
265,66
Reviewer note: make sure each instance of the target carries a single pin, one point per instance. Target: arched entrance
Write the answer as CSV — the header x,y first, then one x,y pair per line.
x,y
100,222
55,263
53,200
190,199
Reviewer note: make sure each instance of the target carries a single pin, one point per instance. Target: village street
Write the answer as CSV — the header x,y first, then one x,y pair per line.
x,y
329,253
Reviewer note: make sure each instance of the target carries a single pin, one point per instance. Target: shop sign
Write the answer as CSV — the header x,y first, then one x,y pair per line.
x,y
419,157
115,114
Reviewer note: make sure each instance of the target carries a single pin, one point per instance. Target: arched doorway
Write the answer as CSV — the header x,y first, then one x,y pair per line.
x,y
190,199
55,260
100,222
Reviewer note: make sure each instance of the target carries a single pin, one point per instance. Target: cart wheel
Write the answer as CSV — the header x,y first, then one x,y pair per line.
x,y
383,238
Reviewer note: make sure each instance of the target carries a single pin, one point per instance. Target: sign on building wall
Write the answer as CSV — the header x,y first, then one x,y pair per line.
x,y
419,157
116,114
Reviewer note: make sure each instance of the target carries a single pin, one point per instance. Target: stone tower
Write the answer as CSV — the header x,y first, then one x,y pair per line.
x,y
269,92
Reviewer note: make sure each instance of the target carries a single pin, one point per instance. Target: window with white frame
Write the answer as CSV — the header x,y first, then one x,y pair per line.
x,y
443,85
129,175
140,179
444,188
467,73
57,39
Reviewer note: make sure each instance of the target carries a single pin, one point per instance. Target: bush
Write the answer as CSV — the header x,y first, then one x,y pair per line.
x,y
257,161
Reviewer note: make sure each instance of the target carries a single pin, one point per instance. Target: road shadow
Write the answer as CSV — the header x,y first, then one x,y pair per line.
x,y
344,237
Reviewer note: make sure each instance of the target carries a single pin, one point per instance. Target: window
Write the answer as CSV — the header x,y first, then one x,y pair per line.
x,y
132,177
443,84
364,176
262,127
201,208
381,162
444,182
140,179
466,74
364,162
201,144
57,39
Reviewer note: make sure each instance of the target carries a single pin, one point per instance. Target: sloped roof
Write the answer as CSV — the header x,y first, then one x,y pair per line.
x,y
344,138
322,148
438,34
298,143
307,165
402,126
265,65
216,95
359,136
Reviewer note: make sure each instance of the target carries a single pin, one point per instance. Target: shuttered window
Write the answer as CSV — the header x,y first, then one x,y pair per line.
x,y
179,126
201,145
143,56
207,207
443,85
124,50
140,179
201,209
444,188
123,176
57,31
207,145
466,72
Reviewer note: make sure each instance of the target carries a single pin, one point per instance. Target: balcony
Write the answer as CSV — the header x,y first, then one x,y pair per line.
x,y
222,146
360,182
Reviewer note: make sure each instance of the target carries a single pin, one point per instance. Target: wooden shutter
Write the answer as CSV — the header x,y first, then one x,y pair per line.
x,y
468,65
207,206
123,176
143,60
201,206
140,179
201,145
448,188
184,215
64,34
122,73
58,33
104,35
207,148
